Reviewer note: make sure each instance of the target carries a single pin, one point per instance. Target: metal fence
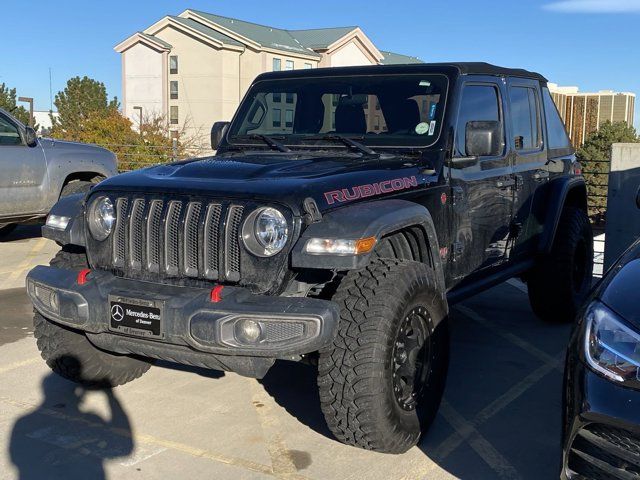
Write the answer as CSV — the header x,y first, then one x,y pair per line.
x,y
596,174
133,157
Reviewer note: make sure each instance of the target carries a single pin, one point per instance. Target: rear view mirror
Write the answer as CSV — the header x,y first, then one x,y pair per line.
x,y
31,137
484,139
218,131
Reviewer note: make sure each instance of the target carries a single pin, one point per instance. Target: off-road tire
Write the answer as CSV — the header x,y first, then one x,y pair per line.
x,y
79,186
355,373
71,355
560,282
7,229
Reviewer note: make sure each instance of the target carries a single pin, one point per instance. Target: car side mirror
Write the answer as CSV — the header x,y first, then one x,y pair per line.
x,y
484,139
31,137
218,131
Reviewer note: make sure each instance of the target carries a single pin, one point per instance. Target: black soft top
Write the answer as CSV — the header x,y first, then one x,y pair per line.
x,y
452,69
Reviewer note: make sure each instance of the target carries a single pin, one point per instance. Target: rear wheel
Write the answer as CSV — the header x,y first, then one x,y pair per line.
x,y
560,282
382,379
71,355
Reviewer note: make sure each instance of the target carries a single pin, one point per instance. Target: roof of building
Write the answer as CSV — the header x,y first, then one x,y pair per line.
x,y
209,32
156,39
320,37
391,58
270,37
452,68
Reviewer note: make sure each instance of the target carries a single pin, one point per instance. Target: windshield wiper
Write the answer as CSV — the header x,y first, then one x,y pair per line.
x,y
351,143
272,142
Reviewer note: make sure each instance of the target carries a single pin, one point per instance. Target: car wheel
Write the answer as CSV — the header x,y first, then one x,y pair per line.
x,y
382,379
71,355
79,186
560,282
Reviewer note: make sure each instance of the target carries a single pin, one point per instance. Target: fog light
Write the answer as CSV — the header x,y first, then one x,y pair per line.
x,y
47,296
248,331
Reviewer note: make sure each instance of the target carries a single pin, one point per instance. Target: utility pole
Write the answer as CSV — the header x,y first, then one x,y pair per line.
x,y
50,93
28,100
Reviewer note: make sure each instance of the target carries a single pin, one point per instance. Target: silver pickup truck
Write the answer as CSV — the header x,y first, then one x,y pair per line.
x,y
36,172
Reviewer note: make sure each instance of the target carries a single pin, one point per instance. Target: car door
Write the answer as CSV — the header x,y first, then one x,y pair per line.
x,y
23,171
529,162
481,186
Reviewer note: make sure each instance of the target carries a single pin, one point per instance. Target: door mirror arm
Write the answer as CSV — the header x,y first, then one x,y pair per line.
x,y
31,137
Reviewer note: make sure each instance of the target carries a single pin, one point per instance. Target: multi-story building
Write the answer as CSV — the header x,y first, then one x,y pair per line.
x,y
194,68
583,113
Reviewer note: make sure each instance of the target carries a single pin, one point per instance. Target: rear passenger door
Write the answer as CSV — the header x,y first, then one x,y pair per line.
x,y
529,160
481,186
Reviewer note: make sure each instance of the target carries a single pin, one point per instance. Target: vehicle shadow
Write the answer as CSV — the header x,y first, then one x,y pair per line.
x,y
61,440
501,412
22,232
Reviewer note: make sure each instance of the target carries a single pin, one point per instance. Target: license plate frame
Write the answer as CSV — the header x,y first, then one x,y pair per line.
x,y
136,317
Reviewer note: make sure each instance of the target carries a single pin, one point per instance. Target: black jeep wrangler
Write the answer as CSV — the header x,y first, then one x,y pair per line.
x,y
344,211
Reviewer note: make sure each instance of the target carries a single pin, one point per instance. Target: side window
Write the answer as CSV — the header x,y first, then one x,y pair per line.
x,y
479,103
525,118
556,131
9,134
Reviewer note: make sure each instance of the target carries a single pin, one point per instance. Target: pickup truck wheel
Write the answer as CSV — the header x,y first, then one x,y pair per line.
x,y
382,379
560,282
71,355
79,186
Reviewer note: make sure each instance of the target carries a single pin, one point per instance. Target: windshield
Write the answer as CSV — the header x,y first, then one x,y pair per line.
x,y
377,110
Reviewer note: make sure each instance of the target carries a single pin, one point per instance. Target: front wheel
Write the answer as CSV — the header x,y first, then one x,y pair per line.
x,y
560,282
382,379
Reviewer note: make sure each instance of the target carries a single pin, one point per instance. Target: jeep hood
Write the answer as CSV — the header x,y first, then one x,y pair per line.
x,y
275,177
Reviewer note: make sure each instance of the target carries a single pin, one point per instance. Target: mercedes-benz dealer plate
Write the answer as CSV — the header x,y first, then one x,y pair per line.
x,y
132,316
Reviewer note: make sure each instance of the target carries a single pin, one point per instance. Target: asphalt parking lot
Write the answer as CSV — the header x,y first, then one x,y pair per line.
x,y
500,417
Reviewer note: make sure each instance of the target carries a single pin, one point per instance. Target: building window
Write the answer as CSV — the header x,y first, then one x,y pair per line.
x,y
288,65
308,66
173,89
289,98
277,64
173,115
173,64
376,126
288,118
277,117
277,97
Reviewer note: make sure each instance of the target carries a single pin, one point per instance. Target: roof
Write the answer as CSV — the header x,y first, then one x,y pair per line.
x,y
451,69
391,58
320,37
271,37
209,32
156,40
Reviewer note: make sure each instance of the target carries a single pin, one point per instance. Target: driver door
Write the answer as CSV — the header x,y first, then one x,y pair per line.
x,y
23,171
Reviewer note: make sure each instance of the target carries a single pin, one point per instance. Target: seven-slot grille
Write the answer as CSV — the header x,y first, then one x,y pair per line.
x,y
174,238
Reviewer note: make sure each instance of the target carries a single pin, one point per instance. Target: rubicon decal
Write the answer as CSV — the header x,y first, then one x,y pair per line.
x,y
370,190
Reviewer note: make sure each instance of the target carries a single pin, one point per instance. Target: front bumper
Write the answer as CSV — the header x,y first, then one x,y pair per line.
x,y
602,426
195,330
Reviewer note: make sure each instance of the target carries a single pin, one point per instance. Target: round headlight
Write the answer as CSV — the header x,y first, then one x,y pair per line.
x,y
101,218
265,232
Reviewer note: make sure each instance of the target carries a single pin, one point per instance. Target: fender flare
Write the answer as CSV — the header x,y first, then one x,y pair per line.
x,y
363,220
71,207
559,191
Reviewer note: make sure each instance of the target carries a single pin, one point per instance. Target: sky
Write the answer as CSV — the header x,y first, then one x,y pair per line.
x,y
592,44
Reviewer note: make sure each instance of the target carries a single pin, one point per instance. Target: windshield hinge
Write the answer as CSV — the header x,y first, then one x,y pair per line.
x,y
313,214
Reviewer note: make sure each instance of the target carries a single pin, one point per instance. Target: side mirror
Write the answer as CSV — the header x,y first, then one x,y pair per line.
x,y
31,137
484,139
218,131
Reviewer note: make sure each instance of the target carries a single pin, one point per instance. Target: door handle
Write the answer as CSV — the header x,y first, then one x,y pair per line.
x,y
541,175
506,183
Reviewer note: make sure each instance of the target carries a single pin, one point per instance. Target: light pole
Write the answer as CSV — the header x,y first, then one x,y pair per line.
x,y
139,124
28,100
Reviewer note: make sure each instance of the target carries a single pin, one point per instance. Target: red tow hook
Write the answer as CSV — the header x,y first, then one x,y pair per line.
x,y
82,276
216,293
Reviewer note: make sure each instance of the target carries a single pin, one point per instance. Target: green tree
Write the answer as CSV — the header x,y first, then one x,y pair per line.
x,y
595,157
8,99
82,98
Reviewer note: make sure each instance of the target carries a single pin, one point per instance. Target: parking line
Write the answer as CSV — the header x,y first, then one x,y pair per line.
x,y
14,365
25,264
151,440
499,464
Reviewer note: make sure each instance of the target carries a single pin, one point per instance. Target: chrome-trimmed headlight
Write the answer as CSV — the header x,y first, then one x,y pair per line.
x,y
101,218
265,232
611,347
